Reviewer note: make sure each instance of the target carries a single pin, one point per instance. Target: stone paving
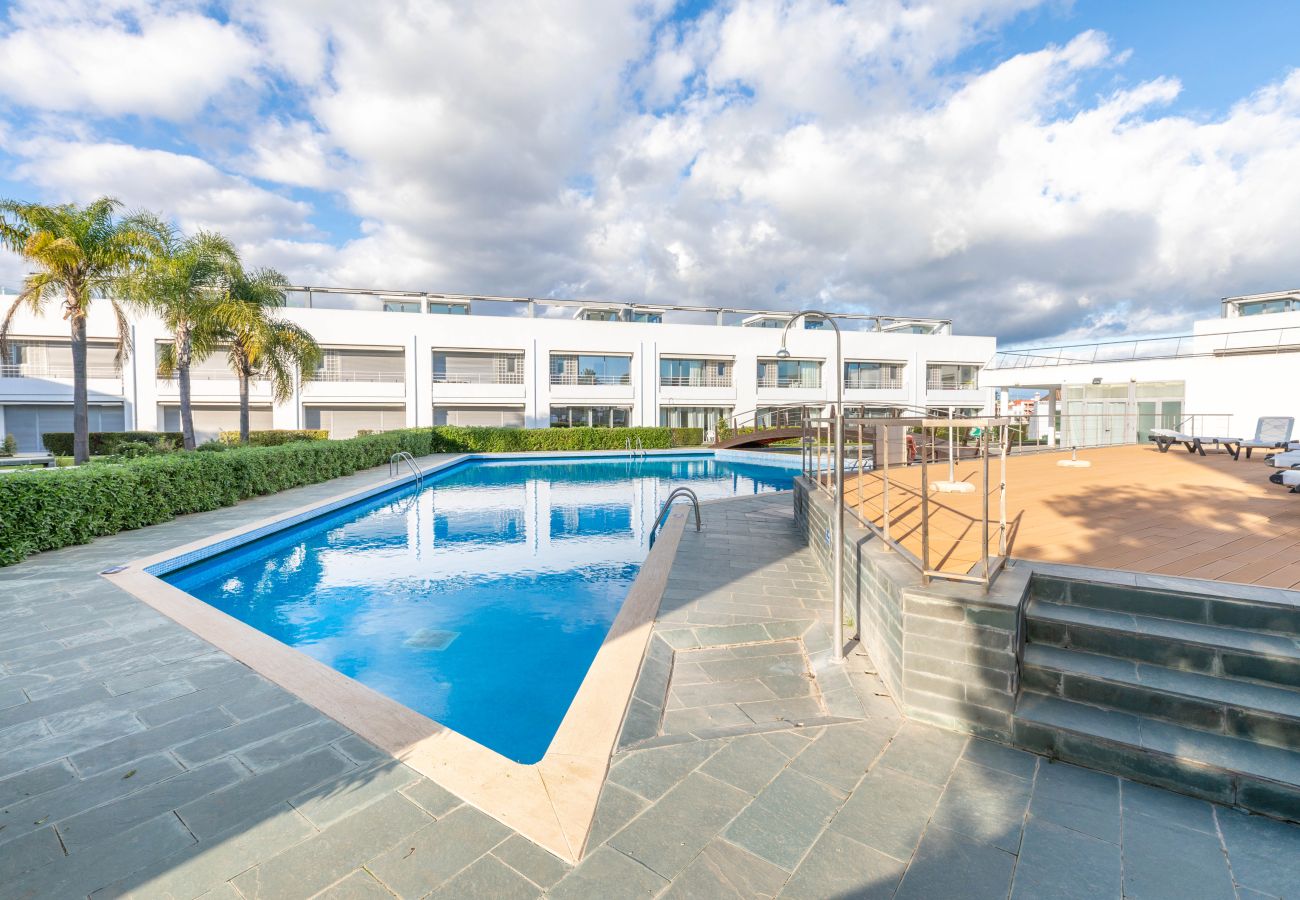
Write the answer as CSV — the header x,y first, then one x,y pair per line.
x,y
137,760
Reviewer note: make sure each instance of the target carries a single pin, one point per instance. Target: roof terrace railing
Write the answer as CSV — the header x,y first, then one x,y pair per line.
x,y
305,296
1225,343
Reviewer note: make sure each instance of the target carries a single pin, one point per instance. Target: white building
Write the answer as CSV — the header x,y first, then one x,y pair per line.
x,y
400,359
1216,381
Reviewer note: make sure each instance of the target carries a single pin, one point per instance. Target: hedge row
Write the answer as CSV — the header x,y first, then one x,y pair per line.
x,y
457,439
44,510
275,437
104,443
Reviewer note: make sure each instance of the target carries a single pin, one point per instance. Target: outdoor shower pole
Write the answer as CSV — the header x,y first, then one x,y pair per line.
x,y
837,418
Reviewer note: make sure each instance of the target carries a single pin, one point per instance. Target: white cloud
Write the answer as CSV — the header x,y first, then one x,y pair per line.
x,y
770,152
120,60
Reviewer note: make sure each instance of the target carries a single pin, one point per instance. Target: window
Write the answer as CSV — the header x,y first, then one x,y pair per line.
x,y
705,417
456,367
789,373
28,422
212,419
872,412
590,416
348,421
598,315
481,416
438,308
213,367
404,306
338,364
873,375
695,373
952,376
1264,307
53,359
583,369
652,317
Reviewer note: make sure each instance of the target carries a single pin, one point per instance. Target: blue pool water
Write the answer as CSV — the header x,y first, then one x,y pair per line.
x,y
479,600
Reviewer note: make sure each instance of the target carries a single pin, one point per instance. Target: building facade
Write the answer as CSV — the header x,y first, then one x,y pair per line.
x,y
1217,380
396,360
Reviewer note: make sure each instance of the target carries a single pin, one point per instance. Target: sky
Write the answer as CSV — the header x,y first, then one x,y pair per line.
x,y
1039,170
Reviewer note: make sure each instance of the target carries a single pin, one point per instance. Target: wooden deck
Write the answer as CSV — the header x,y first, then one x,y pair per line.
x,y
1134,509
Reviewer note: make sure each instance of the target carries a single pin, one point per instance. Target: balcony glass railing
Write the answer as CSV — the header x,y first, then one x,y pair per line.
x,y
777,381
938,384
697,380
1229,343
346,376
478,377
28,370
565,378
874,383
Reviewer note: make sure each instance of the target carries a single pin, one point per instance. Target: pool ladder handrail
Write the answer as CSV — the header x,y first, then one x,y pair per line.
x,y
404,456
640,448
663,510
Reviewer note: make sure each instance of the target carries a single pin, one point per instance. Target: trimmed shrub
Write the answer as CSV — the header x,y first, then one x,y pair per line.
x,y
9,446
104,443
275,437
458,439
47,509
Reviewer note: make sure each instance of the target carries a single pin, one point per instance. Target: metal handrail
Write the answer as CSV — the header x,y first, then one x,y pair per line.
x,y
404,456
640,447
663,510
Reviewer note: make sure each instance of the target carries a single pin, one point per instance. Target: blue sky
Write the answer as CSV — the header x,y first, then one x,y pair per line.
x,y
1031,168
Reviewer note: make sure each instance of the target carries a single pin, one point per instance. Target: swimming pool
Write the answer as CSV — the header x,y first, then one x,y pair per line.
x,y
479,599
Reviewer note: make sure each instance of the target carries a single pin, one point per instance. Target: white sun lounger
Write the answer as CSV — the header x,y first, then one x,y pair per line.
x,y
1289,459
1271,433
1288,477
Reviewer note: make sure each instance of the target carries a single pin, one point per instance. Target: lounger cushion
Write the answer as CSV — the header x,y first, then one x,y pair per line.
x,y
1288,460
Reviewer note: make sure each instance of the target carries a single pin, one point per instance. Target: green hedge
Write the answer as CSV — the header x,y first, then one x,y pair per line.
x,y
275,438
47,509
456,439
103,443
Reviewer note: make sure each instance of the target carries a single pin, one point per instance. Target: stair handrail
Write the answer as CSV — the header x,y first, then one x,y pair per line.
x,y
640,447
404,456
663,510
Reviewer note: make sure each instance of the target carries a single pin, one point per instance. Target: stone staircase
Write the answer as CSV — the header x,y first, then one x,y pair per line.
x,y
1195,693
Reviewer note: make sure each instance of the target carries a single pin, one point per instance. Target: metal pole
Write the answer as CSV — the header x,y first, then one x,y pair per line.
x,y
984,549
884,481
952,467
925,513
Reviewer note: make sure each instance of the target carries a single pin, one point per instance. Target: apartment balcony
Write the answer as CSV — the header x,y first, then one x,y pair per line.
x,y
460,375
36,382
935,384
565,386
355,384
213,386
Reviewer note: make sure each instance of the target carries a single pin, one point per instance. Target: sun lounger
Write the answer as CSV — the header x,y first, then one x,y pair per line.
x,y
1166,437
1288,459
1271,433
1288,477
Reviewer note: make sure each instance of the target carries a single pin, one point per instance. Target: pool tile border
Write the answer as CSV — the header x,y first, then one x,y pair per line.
x,y
553,802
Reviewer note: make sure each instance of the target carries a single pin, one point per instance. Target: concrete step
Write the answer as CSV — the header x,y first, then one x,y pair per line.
x,y
1253,776
1266,658
1234,606
1227,706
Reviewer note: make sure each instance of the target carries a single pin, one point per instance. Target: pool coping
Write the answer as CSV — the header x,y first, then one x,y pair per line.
x,y
552,802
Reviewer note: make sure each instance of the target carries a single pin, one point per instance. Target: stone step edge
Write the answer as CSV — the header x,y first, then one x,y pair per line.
x,y
1058,614
1033,658
1288,809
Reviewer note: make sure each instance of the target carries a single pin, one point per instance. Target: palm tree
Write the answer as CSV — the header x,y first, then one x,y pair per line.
x,y
262,344
185,279
81,253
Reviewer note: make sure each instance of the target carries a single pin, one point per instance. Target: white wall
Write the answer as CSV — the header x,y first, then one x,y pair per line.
x,y
418,334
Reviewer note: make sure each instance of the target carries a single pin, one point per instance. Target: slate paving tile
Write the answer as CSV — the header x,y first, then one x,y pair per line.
x,y
793,741
111,860
31,851
95,825
20,735
650,773
72,719
748,763
1076,798
36,781
783,821
617,806
686,721
228,740
924,752
56,703
888,812
254,796
985,805
487,879
537,865
283,747
667,836
841,755
162,712
1059,862
837,866
1172,862
1001,757
428,857
948,864
140,743
360,885
433,799
358,788
308,867
794,711
723,871
1166,807
39,752
607,874
1265,853
360,751
200,866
